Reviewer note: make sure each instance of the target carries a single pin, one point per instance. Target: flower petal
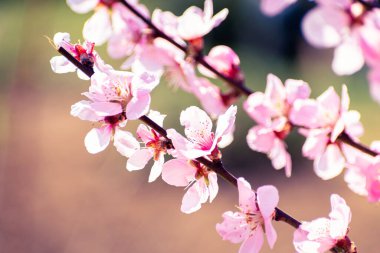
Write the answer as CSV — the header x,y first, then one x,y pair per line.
x,y
98,139
178,172
139,159
98,28
330,164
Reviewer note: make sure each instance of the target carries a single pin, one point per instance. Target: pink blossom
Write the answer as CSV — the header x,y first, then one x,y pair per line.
x,y
112,22
201,182
271,110
255,215
363,173
224,60
274,7
329,117
111,118
195,23
155,147
323,234
85,54
201,141
114,97
337,24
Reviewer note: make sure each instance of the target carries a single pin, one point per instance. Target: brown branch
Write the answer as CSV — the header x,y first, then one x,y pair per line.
x,y
345,138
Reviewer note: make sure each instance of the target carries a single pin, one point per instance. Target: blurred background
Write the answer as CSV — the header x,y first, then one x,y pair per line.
x,y
56,197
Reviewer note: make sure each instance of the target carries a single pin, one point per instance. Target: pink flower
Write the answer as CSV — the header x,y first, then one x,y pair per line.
x,y
85,54
271,110
323,234
111,118
201,141
201,182
224,60
337,24
326,118
256,212
130,91
112,22
363,173
155,147
195,23
274,7
114,97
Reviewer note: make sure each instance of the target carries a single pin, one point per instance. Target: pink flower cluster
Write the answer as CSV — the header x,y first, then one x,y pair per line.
x,y
128,36
322,121
348,26
172,46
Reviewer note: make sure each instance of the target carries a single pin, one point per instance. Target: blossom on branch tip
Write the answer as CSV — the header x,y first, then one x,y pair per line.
x,y
201,141
85,54
201,182
254,218
323,234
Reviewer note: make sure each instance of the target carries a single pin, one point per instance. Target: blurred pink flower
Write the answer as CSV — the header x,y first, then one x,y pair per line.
x,y
112,22
256,212
323,234
274,7
201,141
338,24
224,60
195,23
201,182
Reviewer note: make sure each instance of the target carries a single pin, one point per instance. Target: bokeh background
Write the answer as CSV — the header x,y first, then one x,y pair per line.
x,y
55,197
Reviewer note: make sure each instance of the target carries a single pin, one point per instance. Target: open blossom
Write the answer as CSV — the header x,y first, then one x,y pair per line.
x,y
271,111
201,182
85,54
155,147
339,24
201,141
255,215
274,7
112,22
325,119
323,234
114,97
195,23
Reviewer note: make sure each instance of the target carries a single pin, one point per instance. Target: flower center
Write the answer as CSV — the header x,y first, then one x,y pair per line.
x,y
107,3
